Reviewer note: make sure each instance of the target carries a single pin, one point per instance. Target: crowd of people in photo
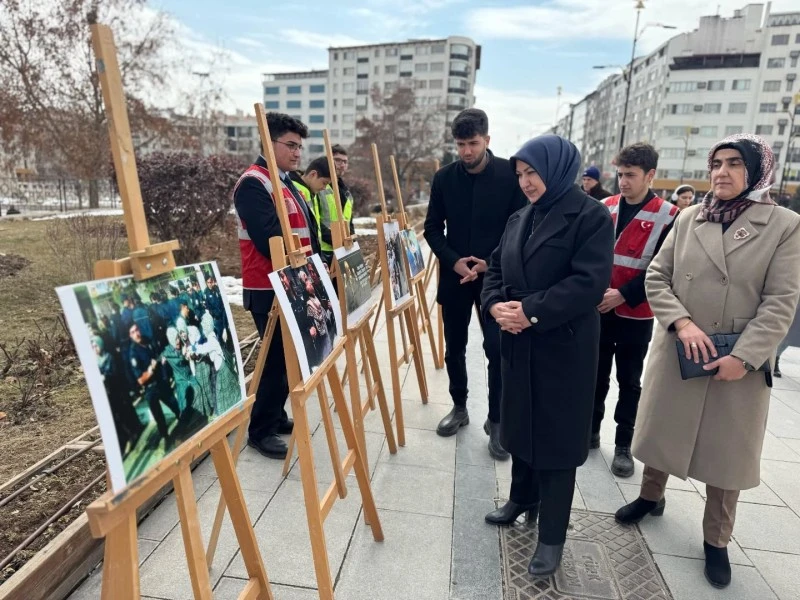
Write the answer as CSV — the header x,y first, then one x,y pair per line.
x,y
163,344
394,258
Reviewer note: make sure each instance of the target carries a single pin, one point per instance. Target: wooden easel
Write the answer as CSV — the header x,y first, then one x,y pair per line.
x,y
359,333
406,311
286,251
113,516
434,265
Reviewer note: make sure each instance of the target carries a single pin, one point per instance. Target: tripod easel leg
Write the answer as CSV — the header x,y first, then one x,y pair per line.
x,y
367,370
333,447
396,384
121,563
426,319
192,538
371,356
419,364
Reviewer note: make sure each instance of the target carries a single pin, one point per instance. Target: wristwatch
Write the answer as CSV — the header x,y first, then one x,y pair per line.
x,y
747,366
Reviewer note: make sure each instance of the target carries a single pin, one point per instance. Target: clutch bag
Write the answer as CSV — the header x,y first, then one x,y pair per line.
x,y
724,343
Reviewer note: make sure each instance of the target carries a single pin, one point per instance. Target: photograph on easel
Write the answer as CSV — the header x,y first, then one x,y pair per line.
x,y
394,255
311,308
355,275
413,250
161,360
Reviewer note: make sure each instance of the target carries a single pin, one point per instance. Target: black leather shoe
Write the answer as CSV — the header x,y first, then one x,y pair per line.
x,y
594,441
455,419
777,370
270,446
718,567
495,449
510,511
622,465
638,510
286,427
545,560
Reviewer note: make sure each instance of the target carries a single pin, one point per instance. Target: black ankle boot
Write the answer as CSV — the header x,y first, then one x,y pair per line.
x,y
545,560
495,449
510,511
718,567
639,509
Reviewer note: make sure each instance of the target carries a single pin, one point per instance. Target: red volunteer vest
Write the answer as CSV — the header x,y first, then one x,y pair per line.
x,y
255,266
636,246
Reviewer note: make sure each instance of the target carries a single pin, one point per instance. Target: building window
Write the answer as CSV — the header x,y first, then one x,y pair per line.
x,y
272,90
362,86
389,87
763,129
335,101
335,118
682,86
420,84
789,85
776,63
316,104
390,69
671,153
349,71
713,109
436,84
272,105
797,39
334,133
741,84
294,89
391,52
316,148
317,89
439,48
347,118
348,102
294,104
780,40
348,55
772,86
423,50
421,68
348,87
679,109
437,67
335,56
363,60
316,119
768,107
709,131
737,108
675,131
315,133
717,85
700,174
377,70
335,71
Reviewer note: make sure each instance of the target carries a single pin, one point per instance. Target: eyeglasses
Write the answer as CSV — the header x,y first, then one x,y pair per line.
x,y
340,161
291,146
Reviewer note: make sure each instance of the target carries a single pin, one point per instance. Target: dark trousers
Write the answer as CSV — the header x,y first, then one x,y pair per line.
x,y
273,389
629,358
154,395
456,316
553,489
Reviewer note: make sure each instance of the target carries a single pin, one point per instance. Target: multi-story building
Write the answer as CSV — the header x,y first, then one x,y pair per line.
x,y
441,71
728,75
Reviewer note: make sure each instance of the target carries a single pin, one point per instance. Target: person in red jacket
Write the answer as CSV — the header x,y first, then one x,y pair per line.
x,y
642,221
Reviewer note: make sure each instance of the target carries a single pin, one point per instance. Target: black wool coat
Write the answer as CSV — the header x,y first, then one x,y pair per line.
x,y
560,275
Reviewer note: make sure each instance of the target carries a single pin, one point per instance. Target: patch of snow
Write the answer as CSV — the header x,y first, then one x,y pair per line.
x,y
233,289
366,232
361,221
107,212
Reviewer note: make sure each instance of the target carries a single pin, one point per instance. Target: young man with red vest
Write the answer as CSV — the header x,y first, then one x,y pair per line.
x,y
642,221
257,222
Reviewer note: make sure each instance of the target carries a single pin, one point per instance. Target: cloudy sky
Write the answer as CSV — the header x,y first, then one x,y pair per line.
x,y
529,47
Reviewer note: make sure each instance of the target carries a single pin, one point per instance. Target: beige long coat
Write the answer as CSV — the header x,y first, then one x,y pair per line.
x,y
746,281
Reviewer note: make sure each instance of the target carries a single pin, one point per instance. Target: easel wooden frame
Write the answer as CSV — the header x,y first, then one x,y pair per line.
x,y
435,265
113,516
286,251
360,333
406,311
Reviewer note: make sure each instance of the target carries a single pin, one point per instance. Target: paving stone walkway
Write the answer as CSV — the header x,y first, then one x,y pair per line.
x,y
432,496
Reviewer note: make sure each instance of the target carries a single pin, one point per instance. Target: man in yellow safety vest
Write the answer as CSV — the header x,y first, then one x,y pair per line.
x,y
327,206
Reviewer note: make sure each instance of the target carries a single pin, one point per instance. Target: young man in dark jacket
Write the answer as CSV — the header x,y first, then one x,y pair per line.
x,y
473,198
591,184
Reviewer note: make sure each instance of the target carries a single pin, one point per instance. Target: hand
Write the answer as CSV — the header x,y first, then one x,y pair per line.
x,y
611,300
696,344
510,317
730,368
462,269
480,265
313,332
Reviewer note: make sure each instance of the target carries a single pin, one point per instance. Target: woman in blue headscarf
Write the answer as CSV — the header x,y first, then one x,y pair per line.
x,y
544,283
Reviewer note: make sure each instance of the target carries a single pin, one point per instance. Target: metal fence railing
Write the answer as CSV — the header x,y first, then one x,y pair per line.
x,y
48,194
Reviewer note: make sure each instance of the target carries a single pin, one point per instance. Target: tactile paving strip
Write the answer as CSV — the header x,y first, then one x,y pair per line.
x,y
602,560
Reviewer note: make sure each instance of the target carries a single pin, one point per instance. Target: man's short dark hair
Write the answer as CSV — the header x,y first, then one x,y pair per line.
x,y
639,155
469,123
280,123
338,149
320,165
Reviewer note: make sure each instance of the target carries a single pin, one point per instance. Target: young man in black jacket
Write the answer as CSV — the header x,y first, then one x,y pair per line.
x,y
473,198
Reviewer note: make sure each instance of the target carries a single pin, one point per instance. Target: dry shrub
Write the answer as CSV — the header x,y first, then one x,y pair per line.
x,y
79,241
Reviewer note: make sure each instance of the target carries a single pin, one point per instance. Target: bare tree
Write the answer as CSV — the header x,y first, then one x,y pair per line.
x,y
412,131
50,98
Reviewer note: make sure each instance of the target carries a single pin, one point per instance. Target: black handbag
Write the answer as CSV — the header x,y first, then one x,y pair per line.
x,y
724,343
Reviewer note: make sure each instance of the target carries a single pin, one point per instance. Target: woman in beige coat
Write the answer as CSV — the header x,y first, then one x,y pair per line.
x,y
730,265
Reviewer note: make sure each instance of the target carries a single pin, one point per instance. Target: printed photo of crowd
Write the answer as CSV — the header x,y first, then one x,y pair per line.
x,y
166,356
355,276
416,263
394,254
311,308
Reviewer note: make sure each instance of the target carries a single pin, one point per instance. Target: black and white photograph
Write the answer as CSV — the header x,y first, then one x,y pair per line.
x,y
311,308
355,276
161,360
416,263
394,255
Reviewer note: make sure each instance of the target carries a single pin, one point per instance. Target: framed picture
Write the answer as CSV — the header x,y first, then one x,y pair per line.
x,y
394,254
161,360
355,276
309,303
416,263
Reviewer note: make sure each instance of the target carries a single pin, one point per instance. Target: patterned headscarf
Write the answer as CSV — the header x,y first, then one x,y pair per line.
x,y
759,162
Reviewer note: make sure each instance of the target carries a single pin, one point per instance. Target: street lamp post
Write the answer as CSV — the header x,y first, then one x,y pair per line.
x,y
789,145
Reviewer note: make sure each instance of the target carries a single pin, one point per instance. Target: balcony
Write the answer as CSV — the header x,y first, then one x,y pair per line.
x,y
458,90
464,74
458,56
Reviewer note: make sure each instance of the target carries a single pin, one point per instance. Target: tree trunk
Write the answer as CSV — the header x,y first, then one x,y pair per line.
x,y
94,194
